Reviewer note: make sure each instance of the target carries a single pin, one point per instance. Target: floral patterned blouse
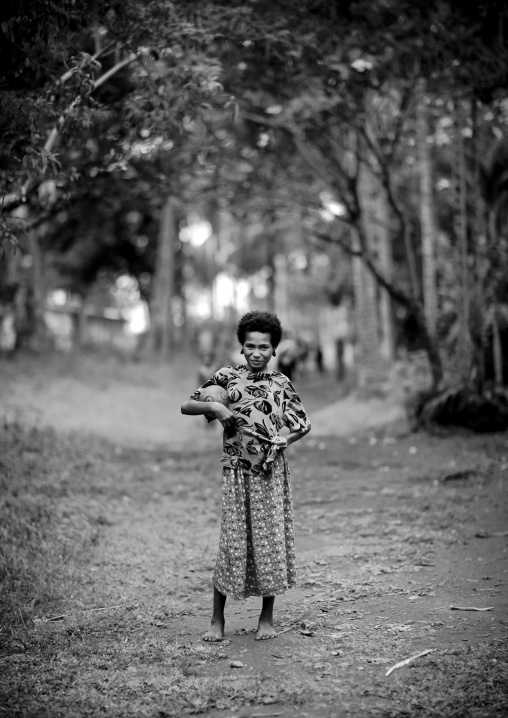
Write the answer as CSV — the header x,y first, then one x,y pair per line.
x,y
262,401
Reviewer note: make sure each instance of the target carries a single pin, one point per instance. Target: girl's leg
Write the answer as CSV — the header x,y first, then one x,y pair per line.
x,y
265,626
216,630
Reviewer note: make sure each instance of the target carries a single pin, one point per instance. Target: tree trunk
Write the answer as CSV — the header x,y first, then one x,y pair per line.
x,y
271,281
79,324
430,347
370,366
282,289
12,265
497,350
376,218
461,228
16,283
160,340
428,228
212,247
383,242
375,325
38,334
478,310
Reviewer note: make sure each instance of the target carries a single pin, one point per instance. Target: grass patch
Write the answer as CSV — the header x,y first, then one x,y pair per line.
x,y
458,683
44,534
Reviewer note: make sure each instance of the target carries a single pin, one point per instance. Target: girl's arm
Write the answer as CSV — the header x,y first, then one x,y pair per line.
x,y
295,416
284,441
192,407
296,435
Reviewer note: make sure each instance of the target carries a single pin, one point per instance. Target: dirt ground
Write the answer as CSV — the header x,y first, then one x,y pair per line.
x,y
111,509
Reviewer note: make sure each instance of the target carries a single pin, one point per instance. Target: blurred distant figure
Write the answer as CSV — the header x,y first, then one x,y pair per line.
x,y
287,354
319,359
206,342
206,369
339,352
302,355
8,333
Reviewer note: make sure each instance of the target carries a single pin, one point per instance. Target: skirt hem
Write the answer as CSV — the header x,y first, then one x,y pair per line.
x,y
241,597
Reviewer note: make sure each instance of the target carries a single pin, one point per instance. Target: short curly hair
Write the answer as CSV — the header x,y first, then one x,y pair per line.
x,y
265,322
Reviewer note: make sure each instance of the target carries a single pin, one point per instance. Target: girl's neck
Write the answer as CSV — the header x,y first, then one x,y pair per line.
x,y
257,369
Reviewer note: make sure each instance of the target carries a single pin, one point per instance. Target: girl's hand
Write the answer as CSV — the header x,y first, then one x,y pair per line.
x,y
223,414
280,442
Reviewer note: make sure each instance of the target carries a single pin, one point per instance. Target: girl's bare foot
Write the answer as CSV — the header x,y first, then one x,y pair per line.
x,y
265,630
215,632
265,625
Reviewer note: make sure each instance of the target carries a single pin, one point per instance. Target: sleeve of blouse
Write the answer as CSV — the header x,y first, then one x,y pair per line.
x,y
220,378
295,416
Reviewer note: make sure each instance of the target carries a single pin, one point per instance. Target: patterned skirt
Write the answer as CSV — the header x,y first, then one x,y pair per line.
x,y
256,548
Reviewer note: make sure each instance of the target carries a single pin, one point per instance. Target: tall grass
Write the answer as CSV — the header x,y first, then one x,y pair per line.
x,y
44,533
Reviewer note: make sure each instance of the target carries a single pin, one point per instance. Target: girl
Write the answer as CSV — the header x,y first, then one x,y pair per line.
x,y
256,548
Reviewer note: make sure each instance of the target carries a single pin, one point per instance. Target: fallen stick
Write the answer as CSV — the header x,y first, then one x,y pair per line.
x,y
408,660
470,608
285,630
490,534
265,715
83,610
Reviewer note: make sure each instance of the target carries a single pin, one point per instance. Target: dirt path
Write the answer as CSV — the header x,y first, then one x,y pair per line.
x,y
139,404
112,551
387,541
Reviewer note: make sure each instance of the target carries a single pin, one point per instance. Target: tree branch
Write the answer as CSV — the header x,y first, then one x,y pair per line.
x,y
342,244
411,303
296,135
12,201
67,75
385,176
113,70
395,292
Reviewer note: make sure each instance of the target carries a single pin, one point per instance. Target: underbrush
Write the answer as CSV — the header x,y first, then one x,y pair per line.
x,y
455,683
460,406
44,533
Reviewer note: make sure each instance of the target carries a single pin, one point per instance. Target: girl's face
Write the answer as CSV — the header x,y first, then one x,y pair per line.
x,y
258,350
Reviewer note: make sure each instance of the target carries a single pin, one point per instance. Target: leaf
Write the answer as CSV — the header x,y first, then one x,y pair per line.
x,y
256,392
235,396
264,406
245,410
261,429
